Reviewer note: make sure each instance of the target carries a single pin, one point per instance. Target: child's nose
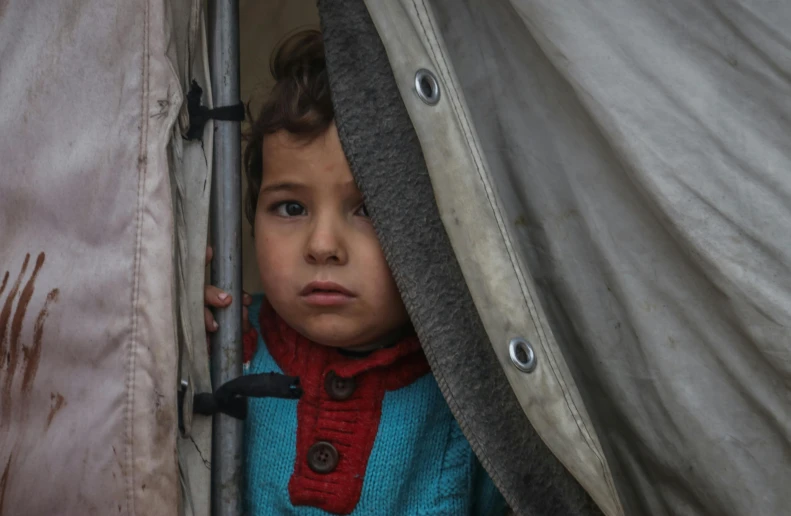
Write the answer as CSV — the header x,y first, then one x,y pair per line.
x,y
325,247
323,256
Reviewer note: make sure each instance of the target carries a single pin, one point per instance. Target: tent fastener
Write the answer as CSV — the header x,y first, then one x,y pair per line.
x,y
427,87
184,386
522,355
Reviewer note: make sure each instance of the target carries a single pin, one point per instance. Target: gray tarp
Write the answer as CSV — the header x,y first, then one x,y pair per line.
x,y
631,160
614,180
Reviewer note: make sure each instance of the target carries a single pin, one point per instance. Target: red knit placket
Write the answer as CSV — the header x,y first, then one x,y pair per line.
x,y
350,425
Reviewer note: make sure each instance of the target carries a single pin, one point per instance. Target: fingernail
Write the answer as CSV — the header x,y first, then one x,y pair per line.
x,y
215,325
223,296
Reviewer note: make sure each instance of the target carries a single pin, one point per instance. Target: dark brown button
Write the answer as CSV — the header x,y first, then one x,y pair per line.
x,y
323,457
339,388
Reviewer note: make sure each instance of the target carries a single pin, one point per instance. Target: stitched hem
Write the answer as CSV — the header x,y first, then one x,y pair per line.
x,y
527,294
132,353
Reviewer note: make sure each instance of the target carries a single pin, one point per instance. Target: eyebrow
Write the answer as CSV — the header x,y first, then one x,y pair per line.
x,y
283,187
290,186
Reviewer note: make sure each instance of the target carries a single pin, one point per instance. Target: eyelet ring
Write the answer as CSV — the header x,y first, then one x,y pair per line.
x,y
522,355
427,87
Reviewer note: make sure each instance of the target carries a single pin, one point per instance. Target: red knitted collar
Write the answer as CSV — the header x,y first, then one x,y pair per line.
x,y
399,365
349,425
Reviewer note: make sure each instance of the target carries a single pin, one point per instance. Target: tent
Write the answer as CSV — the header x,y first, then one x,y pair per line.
x,y
585,208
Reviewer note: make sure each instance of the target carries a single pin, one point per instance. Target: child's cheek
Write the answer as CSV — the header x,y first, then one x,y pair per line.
x,y
277,258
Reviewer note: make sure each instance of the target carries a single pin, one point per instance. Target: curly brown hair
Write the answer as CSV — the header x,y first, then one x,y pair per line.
x,y
299,103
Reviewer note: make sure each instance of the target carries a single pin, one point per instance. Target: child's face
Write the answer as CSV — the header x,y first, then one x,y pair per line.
x,y
320,262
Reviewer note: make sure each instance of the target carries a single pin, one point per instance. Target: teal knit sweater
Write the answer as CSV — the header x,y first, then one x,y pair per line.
x,y
419,462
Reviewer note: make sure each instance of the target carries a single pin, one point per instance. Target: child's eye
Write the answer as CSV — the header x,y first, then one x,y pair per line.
x,y
289,209
362,211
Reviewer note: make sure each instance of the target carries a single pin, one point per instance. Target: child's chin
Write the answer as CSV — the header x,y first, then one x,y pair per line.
x,y
336,341
334,333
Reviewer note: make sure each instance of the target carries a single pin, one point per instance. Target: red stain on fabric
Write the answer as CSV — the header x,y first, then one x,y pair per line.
x,y
16,356
57,401
33,357
4,483
5,313
5,281
16,325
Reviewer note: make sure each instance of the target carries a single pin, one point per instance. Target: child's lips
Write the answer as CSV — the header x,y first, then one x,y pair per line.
x,y
326,293
327,298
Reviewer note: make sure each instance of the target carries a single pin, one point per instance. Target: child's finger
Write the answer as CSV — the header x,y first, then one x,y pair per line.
x,y
208,318
216,297
245,319
209,253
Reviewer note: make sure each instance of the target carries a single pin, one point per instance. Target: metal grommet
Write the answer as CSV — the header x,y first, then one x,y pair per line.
x,y
522,355
427,87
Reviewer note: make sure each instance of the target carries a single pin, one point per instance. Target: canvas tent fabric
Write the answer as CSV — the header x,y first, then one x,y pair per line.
x,y
110,203
385,156
625,164
612,183
88,96
455,344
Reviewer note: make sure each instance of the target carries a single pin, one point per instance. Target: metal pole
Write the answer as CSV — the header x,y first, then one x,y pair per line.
x,y
226,266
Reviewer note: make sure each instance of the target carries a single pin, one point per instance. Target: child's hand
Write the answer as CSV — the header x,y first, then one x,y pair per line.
x,y
216,298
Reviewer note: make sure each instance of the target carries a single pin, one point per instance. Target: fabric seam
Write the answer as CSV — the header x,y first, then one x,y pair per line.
x,y
463,424
142,165
530,303
461,114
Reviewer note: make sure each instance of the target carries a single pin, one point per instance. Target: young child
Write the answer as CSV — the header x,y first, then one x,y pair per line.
x,y
371,433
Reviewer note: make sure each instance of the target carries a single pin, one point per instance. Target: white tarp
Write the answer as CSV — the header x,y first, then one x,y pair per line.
x,y
619,177
88,354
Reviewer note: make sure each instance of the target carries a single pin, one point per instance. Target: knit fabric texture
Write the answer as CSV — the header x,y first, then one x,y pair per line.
x,y
419,464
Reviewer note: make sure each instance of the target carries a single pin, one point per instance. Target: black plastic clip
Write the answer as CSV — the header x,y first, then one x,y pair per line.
x,y
231,397
199,114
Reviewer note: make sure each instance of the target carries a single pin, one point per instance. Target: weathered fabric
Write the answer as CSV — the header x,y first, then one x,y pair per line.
x,y
88,359
386,161
627,160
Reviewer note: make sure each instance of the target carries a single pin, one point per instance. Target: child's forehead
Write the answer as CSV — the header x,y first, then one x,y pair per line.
x,y
285,147
320,161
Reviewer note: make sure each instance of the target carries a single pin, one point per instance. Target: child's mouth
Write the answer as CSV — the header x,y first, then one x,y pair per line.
x,y
322,293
